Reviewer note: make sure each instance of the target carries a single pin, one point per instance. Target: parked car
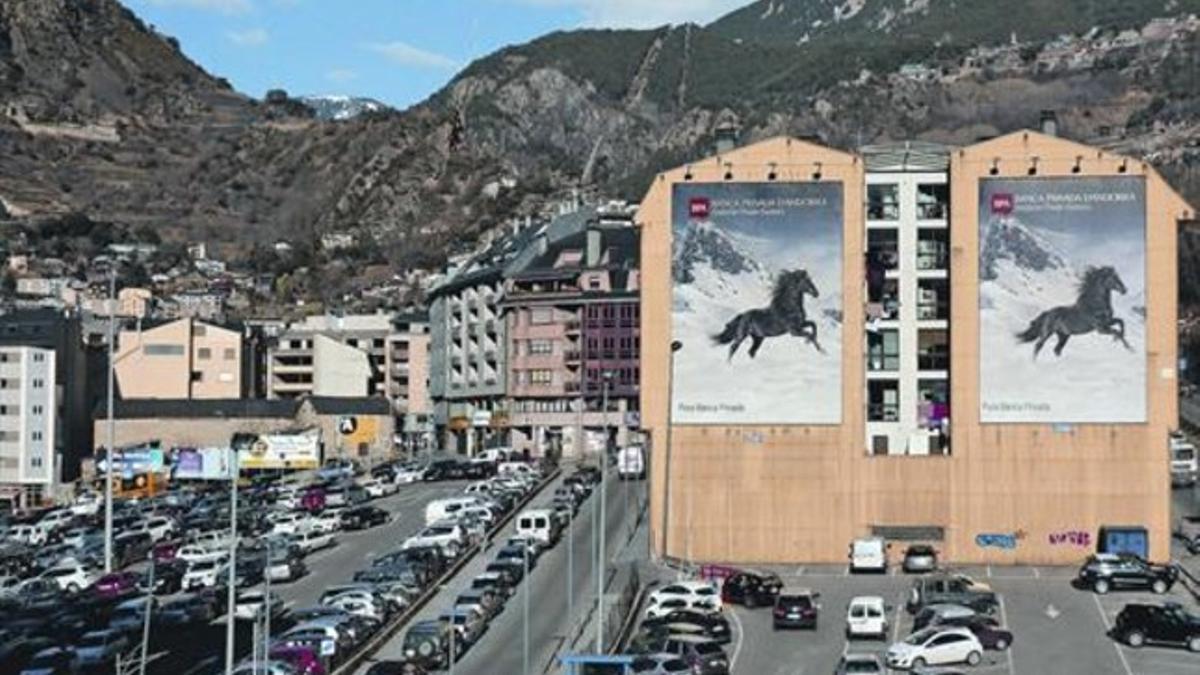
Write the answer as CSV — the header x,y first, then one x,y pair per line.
x,y
363,517
796,608
1167,624
129,616
954,589
751,589
868,554
702,655
987,628
250,603
660,664
1108,571
920,558
409,473
189,609
71,577
697,595
303,660
937,614
378,487
313,540
205,574
52,661
859,664
99,647
1188,529
194,553
285,569
713,626
866,616
428,643
935,646
449,537
116,585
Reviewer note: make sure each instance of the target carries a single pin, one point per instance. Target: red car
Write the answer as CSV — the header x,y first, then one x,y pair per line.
x,y
164,551
302,659
116,585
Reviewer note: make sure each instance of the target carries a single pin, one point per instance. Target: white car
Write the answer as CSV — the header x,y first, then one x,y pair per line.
x,y
250,603
204,574
447,536
70,577
328,521
30,535
87,504
194,553
76,536
56,520
290,523
313,540
698,595
217,540
935,647
376,488
409,474
867,617
358,606
158,527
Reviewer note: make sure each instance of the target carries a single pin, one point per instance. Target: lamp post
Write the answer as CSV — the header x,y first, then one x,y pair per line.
x,y
525,611
676,345
600,559
111,425
230,633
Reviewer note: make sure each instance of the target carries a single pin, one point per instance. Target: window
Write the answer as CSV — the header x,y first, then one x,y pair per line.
x,y
932,201
200,330
230,354
38,410
35,435
541,376
38,383
197,376
35,462
594,283
541,347
883,202
541,315
39,358
162,350
883,350
204,353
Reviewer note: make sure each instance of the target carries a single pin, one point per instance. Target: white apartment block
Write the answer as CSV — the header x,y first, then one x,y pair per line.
x,y
28,424
908,299
330,356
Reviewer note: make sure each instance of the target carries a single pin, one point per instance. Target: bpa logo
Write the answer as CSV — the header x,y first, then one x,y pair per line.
x,y
699,207
1002,203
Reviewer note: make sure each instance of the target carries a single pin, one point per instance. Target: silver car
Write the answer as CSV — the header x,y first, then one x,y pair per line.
x,y
920,558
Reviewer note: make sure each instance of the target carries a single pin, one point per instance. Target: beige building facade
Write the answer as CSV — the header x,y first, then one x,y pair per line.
x,y
802,492
183,359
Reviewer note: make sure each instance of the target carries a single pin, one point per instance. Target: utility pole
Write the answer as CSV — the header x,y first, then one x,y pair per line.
x,y
110,453
600,560
267,606
230,633
676,345
146,618
525,611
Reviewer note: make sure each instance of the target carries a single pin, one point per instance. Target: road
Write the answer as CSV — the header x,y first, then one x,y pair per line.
x,y
500,649
201,650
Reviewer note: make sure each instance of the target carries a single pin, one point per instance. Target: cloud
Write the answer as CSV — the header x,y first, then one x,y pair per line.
x,y
407,55
222,6
642,13
341,75
251,37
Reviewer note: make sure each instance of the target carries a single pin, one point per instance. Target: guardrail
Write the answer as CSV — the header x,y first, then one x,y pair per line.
x,y
386,633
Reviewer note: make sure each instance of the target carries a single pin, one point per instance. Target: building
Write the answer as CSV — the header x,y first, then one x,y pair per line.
x,y
78,377
181,359
468,365
571,308
407,374
784,424
29,426
330,355
360,428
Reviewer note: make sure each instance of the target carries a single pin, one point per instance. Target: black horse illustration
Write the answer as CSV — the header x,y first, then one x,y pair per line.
x,y
784,316
1092,311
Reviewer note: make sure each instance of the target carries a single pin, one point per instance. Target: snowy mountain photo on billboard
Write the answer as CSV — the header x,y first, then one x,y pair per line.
x,y
1062,261
732,246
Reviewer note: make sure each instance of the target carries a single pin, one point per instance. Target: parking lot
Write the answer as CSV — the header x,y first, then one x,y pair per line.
x,y
1057,628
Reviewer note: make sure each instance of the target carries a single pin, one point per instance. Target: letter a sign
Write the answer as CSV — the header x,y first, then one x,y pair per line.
x,y
347,425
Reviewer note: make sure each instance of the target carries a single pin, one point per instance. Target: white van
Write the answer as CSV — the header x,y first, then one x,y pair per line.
x,y
631,463
538,524
868,554
441,509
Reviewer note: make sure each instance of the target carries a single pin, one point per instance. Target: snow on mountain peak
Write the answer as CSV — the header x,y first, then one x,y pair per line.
x,y
1008,239
704,245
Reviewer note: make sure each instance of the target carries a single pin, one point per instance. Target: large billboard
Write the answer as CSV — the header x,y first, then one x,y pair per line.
x,y
279,451
201,463
1062,300
757,303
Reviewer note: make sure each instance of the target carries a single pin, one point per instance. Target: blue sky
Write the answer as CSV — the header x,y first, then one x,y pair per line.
x,y
397,51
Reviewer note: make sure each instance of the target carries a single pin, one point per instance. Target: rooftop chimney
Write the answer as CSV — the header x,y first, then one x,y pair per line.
x,y
1049,123
593,247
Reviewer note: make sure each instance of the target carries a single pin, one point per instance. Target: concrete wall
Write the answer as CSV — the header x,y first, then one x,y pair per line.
x,y
338,369
188,432
801,493
212,353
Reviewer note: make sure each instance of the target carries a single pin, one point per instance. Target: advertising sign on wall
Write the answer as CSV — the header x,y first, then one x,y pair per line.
x,y
757,303
202,464
357,431
282,451
1062,300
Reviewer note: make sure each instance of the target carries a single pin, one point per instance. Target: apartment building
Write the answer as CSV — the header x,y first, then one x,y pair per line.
x,y
330,355
844,344
908,298
29,426
408,378
468,365
571,310
78,379
182,359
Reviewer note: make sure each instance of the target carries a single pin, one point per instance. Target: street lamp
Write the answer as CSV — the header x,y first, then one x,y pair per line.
x,y
230,633
600,559
112,434
676,345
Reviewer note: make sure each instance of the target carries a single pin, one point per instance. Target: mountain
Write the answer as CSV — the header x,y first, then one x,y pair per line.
x,y
340,108
703,245
103,115
1009,240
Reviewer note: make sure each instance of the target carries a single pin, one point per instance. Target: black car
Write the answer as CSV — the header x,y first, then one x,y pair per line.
x,y
1107,571
516,555
796,609
751,589
1166,624
713,626
446,469
363,517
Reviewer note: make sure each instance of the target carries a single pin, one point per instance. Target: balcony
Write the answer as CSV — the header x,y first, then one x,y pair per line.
x,y
883,412
933,360
572,356
572,325
571,386
490,327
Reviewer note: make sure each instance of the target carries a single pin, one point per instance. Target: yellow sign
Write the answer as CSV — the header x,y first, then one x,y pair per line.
x,y
358,430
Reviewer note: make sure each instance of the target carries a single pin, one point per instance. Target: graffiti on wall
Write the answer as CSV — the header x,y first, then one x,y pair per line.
x,y
1071,538
999,540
